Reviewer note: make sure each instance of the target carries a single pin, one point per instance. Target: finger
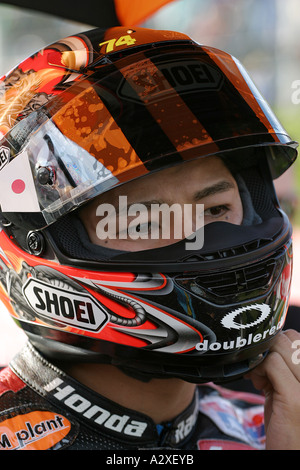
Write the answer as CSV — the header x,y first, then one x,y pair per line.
x,y
273,375
293,335
287,345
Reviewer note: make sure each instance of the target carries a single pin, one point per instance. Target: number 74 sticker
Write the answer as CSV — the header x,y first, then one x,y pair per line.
x,y
111,44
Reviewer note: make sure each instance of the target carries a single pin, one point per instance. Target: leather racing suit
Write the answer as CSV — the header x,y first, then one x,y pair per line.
x,y
43,408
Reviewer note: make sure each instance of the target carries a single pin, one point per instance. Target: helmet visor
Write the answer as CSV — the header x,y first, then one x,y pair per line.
x,y
149,112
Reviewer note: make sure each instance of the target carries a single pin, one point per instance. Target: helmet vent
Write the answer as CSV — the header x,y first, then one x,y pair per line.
x,y
247,279
229,252
233,285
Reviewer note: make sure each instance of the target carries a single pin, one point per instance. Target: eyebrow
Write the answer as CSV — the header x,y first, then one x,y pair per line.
x,y
146,204
219,187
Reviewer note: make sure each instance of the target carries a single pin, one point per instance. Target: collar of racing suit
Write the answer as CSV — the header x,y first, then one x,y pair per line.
x,y
98,412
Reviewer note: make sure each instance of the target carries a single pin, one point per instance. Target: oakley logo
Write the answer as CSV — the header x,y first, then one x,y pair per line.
x,y
67,307
229,320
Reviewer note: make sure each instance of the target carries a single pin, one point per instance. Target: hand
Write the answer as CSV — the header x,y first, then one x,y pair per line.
x,y
278,376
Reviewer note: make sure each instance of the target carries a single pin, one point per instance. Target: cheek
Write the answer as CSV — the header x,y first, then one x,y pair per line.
x,y
89,221
236,216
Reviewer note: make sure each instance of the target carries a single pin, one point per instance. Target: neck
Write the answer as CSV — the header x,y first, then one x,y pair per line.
x,y
160,399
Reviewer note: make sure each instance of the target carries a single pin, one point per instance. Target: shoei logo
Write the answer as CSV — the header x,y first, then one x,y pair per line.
x,y
148,82
229,320
64,306
4,156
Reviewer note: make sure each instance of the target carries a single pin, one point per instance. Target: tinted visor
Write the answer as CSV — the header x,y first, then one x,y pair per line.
x,y
141,113
154,109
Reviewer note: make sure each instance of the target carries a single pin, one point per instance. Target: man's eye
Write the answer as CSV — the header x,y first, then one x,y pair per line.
x,y
140,228
216,211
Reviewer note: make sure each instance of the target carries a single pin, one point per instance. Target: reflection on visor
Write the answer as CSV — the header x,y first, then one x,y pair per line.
x,y
150,111
51,175
66,175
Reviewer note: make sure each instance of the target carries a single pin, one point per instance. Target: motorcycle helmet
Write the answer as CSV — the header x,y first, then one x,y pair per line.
x,y
104,108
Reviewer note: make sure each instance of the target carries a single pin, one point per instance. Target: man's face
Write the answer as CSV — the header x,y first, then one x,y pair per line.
x,y
205,181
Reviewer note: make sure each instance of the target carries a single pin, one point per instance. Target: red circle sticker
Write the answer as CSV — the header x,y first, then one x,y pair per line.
x,y
18,186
